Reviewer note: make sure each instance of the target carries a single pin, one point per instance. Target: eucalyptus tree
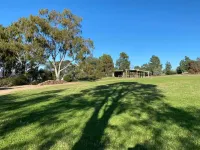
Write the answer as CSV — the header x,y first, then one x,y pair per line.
x,y
7,56
26,44
59,33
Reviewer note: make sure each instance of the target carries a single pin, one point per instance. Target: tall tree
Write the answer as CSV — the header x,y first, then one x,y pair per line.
x,y
155,65
123,62
59,33
7,56
184,64
107,65
168,68
20,42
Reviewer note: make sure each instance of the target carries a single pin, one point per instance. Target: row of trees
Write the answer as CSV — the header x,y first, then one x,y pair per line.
x,y
52,39
187,65
95,68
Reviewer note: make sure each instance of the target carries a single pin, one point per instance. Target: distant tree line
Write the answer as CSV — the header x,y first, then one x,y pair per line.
x,y
186,65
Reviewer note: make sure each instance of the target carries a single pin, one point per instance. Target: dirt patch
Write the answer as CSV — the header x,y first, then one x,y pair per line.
x,y
51,82
9,90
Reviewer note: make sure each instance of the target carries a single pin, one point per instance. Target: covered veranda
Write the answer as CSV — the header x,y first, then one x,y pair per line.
x,y
131,73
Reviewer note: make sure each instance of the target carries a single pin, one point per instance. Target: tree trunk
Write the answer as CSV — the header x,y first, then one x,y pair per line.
x,y
58,77
57,73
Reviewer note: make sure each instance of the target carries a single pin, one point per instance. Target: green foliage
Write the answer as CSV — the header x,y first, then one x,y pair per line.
x,y
168,68
184,64
178,70
68,78
60,35
171,72
107,65
90,69
13,81
145,67
155,66
50,35
45,74
137,67
123,62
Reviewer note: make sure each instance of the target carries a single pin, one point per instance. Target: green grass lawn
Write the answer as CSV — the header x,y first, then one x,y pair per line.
x,y
151,113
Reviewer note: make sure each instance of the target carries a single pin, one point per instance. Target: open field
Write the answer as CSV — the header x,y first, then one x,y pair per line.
x,y
149,113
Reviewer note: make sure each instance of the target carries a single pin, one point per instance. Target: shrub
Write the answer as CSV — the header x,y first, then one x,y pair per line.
x,y
45,75
68,78
20,80
171,72
12,81
178,70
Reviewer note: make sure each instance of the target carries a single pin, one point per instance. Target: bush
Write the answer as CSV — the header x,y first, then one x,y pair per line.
x,y
178,70
45,75
171,72
68,78
12,81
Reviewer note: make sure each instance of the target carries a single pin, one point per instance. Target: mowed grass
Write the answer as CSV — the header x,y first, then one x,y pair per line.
x,y
151,113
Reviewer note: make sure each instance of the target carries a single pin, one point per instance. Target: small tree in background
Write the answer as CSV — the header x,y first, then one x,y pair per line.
x,y
145,67
123,62
107,65
155,66
184,64
168,68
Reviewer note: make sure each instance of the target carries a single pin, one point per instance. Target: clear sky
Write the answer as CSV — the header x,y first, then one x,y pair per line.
x,y
169,29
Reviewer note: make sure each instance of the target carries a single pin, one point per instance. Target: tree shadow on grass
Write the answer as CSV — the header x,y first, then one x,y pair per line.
x,y
96,110
5,88
112,104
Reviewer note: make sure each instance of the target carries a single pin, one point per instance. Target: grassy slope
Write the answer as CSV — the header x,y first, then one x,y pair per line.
x,y
157,113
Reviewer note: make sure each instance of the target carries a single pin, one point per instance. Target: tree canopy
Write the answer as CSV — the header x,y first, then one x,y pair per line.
x,y
123,62
155,65
184,64
168,68
107,64
60,35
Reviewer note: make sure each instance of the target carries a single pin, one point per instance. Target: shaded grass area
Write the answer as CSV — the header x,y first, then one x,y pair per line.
x,y
116,114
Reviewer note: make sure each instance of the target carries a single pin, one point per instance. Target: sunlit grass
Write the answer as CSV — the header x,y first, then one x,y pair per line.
x,y
112,113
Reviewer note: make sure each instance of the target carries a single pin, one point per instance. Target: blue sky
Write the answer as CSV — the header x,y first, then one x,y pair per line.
x,y
169,29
